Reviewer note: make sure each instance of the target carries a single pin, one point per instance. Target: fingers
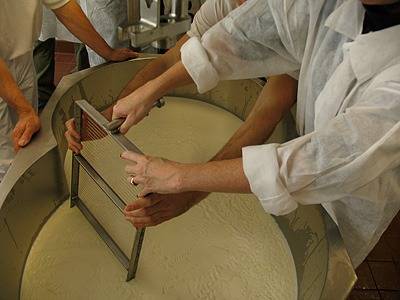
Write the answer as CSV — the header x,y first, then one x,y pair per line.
x,y
133,108
72,136
132,181
131,53
155,209
125,53
136,170
145,211
75,135
147,221
128,123
146,191
120,112
17,133
26,135
132,156
74,146
131,169
122,54
70,125
140,203
136,180
26,126
116,114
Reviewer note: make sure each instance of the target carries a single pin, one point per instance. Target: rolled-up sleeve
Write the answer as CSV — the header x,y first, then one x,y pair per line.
x,y
195,59
254,40
54,4
261,168
351,151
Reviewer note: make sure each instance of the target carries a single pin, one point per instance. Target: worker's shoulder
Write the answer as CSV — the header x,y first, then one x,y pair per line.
x,y
388,75
383,87
225,6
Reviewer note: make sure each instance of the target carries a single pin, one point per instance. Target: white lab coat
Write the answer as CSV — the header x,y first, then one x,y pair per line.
x,y
209,14
348,109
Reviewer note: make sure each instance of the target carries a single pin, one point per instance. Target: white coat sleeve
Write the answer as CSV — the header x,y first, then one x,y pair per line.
x,y
54,4
209,14
257,39
353,149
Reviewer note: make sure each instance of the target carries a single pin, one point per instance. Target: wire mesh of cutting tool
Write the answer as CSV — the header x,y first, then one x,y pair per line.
x,y
99,185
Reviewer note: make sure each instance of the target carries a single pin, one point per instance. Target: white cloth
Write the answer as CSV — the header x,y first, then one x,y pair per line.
x,y
20,23
22,69
256,46
209,14
348,109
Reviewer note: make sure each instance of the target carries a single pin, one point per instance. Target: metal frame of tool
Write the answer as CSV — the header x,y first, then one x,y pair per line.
x,y
131,264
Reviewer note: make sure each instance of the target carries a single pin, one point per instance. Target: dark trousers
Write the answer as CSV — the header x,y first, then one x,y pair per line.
x,y
44,59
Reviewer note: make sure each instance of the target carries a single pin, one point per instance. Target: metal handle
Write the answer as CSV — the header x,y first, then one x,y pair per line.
x,y
114,125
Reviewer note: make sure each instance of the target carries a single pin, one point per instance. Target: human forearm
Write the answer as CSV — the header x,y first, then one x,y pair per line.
x,y
137,105
151,71
174,77
217,176
162,176
154,69
254,131
72,16
28,121
154,89
274,101
224,173
10,92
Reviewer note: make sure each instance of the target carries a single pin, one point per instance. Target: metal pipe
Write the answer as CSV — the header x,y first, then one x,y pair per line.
x,y
133,11
179,9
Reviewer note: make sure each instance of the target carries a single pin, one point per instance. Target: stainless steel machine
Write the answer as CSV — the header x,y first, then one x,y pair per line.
x,y
36,184
156,22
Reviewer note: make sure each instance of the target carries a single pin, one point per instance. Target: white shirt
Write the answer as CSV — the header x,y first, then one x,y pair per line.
x,y
20,23
209,14
52,28
348,109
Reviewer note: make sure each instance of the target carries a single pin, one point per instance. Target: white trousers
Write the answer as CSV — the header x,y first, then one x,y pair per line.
x,y
23,71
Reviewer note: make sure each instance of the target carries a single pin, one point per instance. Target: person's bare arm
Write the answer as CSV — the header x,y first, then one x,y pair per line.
x,y
155,68
162,176
152,70
72,16
275,100
28,121
137,105
224,173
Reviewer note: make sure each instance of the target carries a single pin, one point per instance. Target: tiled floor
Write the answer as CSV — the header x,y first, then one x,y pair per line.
x,y
378,275
65,60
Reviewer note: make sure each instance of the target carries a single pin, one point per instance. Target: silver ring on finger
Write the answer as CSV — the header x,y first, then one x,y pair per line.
x,y
133,182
